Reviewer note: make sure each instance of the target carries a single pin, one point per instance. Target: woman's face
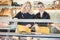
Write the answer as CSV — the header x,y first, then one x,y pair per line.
x,y
41,7
28,7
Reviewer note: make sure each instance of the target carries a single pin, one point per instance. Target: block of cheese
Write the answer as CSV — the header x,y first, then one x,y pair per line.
x,y
43,30
21,28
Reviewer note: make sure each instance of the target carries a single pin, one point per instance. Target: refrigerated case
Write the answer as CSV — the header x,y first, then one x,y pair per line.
x,y
13,10
41,36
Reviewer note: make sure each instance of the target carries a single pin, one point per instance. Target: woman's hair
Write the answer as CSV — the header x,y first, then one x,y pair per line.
x,y
40,3
23,7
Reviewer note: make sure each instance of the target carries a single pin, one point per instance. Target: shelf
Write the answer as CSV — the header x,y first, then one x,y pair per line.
x,y
32,35
30,20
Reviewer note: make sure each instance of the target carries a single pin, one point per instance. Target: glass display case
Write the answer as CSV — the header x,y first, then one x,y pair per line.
x,y
10,30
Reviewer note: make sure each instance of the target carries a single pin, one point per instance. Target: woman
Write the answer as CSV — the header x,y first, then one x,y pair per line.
x,y
42,14
25,13
41,26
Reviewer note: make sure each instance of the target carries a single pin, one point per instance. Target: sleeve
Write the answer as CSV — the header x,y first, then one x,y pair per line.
x,y
33,16
48,16
18,15
36,16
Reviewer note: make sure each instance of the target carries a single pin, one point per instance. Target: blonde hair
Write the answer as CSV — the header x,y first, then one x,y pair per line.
x,y
23,7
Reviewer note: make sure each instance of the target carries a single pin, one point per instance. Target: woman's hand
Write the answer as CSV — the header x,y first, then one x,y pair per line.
x,y
56,25
58,28
35,26
28,25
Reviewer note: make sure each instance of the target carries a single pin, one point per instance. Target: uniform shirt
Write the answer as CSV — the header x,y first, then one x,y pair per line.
x,y
21,15
44,16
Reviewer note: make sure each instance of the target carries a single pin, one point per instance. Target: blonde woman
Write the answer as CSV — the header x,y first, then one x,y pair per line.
x,y
25,13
